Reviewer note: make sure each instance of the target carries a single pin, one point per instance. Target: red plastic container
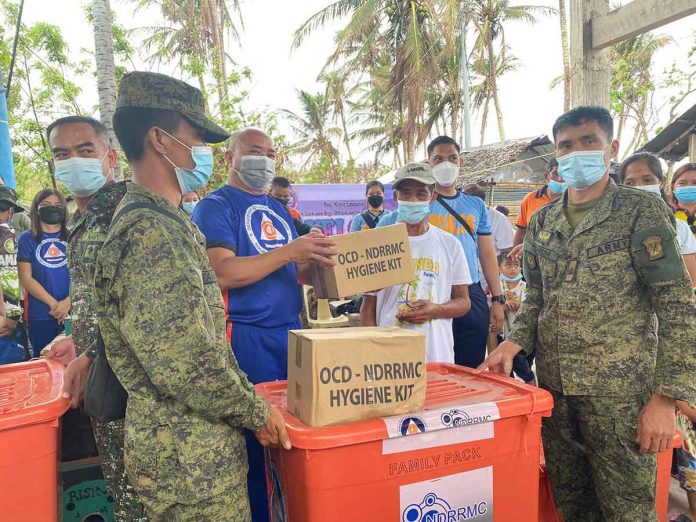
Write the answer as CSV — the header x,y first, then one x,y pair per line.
x,y
30,408
472,452
547,509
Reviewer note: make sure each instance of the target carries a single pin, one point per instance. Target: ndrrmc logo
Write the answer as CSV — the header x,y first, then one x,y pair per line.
x,y
456,418
435,509
411,426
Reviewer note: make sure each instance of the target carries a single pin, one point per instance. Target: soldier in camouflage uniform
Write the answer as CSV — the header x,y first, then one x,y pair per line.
x,y
84,164
610,310
161,315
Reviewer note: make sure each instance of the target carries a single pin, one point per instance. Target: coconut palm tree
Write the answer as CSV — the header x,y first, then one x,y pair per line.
x,y
338,94
106,70
313,128
194,33
489,18
400,32
482,91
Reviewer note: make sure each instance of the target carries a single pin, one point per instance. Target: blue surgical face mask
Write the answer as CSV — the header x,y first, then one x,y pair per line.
x,y
686,194
580,170
189,206
557,187
191,180
82,176
413,212
506,279
654,189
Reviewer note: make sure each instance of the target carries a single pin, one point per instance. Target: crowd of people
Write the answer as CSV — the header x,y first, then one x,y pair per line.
x,y
191,300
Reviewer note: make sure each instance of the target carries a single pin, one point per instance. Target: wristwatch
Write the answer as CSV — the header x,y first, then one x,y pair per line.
x,y
498,299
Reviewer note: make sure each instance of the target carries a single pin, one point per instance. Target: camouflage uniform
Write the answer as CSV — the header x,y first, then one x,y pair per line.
x,y
87,233
610,309
162,318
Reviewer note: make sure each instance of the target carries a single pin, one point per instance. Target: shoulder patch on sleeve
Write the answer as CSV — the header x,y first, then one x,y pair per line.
x,y
653,246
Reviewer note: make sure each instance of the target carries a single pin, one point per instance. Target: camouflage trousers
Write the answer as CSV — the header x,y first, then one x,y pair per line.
x,y
594,467
109,439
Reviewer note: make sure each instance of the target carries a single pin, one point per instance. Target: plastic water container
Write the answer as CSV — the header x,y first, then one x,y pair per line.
x,y
471,453
30,409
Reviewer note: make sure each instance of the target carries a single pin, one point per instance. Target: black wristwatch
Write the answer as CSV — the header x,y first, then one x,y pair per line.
x,y
498,299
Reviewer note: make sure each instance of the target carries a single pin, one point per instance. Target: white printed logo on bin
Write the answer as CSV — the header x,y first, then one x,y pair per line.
x,y
435,509
456,418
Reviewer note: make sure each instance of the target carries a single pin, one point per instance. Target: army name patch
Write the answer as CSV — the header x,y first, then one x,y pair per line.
x,y
609,247
653,245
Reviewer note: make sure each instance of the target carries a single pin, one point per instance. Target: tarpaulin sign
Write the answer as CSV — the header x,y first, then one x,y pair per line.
x,y
332,207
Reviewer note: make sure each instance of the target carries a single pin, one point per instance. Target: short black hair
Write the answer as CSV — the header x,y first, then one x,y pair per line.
x,y
475,190
551,164
442,140
98,127
374,183
281,181
652,162
503,210
131,124
580,115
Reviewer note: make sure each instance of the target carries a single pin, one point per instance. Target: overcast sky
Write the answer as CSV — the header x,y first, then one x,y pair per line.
x,y
529,105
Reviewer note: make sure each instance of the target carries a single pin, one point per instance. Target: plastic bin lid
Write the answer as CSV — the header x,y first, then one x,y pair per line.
x,y
30,393
455,396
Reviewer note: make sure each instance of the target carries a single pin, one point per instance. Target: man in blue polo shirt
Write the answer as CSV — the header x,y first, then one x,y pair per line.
x,y
258,259
467,218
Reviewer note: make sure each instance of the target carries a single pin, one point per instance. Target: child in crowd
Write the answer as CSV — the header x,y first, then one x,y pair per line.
x,y
686,456
515,291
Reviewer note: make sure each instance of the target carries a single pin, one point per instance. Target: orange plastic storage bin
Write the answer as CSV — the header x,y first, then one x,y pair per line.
x,y
472,453
30,409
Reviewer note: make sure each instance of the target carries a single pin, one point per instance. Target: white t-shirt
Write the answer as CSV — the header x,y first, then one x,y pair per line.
x,y
687,241
440,263
501,229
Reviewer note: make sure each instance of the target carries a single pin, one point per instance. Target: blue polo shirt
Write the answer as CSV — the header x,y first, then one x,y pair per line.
x,y
475,213
49,266
251,225
358,221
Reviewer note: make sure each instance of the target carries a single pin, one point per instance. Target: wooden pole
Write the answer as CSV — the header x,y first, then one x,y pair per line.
x,y
590,68
692,147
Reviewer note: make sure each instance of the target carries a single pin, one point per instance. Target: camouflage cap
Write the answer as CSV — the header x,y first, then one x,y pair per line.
x,y
148,90
415,171
9,195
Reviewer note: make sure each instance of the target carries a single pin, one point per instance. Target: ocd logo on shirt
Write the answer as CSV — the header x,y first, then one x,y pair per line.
x,y
266,229
51,253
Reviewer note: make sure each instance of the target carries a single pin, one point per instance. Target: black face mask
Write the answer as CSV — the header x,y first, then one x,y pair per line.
x,y
375,201
52,214
282,201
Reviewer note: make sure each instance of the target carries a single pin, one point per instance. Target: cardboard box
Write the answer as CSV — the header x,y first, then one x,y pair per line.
x,y
368,260
338,375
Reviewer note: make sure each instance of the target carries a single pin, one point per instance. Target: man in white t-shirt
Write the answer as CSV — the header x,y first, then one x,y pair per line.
x,y
440,291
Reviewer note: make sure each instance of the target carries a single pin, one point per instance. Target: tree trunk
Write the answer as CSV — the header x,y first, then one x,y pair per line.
x,y
106,70
566,54
219,57
494,87
345,135
484,119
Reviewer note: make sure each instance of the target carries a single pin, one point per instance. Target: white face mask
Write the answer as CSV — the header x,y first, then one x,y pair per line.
x,y
446,173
